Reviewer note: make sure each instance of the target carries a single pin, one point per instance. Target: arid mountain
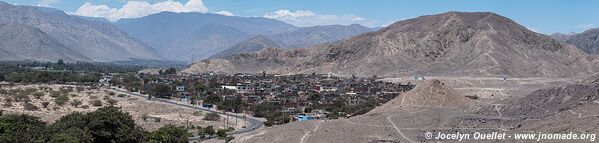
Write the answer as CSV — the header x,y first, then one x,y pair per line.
x,y
453,43
562,37
183,36
253,44
66,37
587,41
315,35
22,42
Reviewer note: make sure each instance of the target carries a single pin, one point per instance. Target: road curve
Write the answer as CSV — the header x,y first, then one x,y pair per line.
x,y
253,123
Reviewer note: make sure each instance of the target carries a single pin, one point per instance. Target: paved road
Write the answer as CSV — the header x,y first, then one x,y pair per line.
x,y
253,123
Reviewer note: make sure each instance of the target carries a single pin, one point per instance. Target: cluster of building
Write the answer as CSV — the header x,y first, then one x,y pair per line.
x,y
294,93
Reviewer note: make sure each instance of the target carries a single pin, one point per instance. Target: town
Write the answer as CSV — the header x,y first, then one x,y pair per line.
x,y
278,98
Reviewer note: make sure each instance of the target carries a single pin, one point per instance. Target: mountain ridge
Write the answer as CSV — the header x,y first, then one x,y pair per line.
x,y
452,43
100,42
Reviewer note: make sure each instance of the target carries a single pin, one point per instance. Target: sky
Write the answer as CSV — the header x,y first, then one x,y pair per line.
x,y
543,16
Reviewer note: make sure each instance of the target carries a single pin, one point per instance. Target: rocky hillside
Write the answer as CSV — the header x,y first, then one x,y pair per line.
x,y
562,37
253,44
587,41
453,43
61,36
429,93
315,35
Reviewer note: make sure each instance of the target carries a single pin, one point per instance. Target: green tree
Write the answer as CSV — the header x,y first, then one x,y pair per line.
x,y
169,134
110,124
212,117
21,129
212,99
221,133
199,86
209,130
73,125
161,91
63,138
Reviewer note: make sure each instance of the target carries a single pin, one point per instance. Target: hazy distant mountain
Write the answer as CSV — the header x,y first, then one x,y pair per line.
x,y
309,36
183,36
22,42
253,44
561,37
303,37
61,36
179,36
587,41
453,43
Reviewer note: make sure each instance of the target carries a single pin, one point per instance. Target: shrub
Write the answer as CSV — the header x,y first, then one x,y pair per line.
x,y
79,88
197,113
61,100
472,96
45,104
212,117
144,117
28,91
21,97
76,103
221,133
38,95
112,102
30,107
3,91
96,103
7,102
55,94
66,90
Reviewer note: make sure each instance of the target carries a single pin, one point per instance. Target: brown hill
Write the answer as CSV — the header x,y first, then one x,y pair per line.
x,y
453,43
429,93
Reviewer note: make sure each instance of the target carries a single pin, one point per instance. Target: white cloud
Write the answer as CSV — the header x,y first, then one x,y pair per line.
x,y
586,26
135,9
46,3
225,13
309,18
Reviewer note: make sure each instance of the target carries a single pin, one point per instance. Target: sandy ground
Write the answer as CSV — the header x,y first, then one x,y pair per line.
x,y
136,106
494,87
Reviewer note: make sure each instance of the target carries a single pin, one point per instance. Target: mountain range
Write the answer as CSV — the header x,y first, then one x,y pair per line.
x,y
189,36
45,34
452,43
587,41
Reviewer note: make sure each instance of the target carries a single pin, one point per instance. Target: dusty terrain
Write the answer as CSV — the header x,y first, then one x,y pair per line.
x,y
139,108
496,87
563,109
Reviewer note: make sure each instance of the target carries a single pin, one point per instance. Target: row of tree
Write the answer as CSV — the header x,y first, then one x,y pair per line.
x,y
51,77
105,125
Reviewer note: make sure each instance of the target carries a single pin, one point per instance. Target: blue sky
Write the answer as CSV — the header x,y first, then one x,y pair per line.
x,y
544,16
